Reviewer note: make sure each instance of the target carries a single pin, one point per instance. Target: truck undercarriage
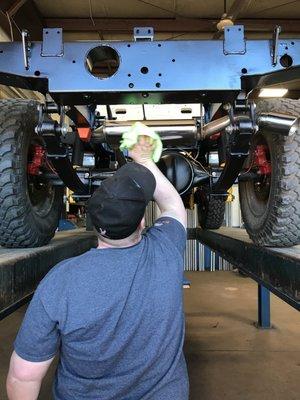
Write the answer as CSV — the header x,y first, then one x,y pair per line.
x,y
67,142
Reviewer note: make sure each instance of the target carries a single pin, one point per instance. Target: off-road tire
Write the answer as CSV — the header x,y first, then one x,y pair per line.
x,y
20,224
279,224
210,212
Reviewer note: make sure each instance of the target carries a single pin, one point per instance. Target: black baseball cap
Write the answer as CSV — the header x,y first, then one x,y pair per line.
x,y
118,206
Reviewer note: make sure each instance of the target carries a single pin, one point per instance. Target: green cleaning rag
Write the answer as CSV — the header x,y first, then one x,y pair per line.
x,y
130,138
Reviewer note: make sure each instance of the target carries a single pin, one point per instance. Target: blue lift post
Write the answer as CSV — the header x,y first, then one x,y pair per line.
x,y
264,312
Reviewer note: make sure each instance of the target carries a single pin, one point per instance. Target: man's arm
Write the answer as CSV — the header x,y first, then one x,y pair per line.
x,y
25,377
35,346
165,195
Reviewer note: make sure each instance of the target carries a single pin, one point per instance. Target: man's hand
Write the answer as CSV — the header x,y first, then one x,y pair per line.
x,y
142,151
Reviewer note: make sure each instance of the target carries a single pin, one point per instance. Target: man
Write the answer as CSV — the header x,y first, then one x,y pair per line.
x,y
115,313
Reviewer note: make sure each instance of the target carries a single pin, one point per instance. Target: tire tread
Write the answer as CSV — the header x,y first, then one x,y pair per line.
x,y
16,226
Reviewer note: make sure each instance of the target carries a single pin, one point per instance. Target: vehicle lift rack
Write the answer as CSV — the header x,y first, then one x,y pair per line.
x,y
275,270
21,270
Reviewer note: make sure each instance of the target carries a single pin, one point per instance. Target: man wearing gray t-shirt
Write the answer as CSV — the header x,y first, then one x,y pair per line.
x,y
114,314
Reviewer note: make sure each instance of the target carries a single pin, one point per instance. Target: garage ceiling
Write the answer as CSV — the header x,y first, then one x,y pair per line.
x,y
180,19
165,8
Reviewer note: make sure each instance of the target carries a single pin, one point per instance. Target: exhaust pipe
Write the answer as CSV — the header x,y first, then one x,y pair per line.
x,y
283,124
187,132
173,132
215,126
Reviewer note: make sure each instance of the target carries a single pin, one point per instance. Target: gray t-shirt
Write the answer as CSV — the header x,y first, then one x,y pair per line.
x,y
116,317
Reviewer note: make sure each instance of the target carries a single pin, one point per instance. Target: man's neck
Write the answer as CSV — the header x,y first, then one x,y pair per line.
x,y
104,243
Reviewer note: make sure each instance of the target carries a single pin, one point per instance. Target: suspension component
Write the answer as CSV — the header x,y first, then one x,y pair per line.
x,y
243,127
37,161
46,124
52,133
261,161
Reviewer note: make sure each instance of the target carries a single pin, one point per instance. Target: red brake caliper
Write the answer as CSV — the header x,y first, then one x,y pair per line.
x,y
261,161
38,158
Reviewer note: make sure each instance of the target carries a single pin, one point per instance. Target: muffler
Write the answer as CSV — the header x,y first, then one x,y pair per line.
x,y
172,132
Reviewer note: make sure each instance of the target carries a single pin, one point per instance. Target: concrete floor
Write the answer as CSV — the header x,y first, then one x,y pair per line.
x,y
228,358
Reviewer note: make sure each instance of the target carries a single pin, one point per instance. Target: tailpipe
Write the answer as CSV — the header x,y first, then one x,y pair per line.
x,y
283,124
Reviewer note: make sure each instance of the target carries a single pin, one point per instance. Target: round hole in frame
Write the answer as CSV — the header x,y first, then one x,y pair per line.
x,y
286,61
144,70
102,61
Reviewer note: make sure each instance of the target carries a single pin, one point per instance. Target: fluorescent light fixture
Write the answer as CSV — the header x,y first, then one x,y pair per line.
x,y
272,92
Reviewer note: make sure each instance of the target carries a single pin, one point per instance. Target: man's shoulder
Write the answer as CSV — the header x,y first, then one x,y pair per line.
x,y
62,271
168,231
168,225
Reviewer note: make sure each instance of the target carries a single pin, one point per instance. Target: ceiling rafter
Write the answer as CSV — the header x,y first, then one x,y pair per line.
x,y
237,8
14,7
169,25
16,15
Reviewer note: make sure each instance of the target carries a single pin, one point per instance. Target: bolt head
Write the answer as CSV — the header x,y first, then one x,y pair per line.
x,y
229,129
64,129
